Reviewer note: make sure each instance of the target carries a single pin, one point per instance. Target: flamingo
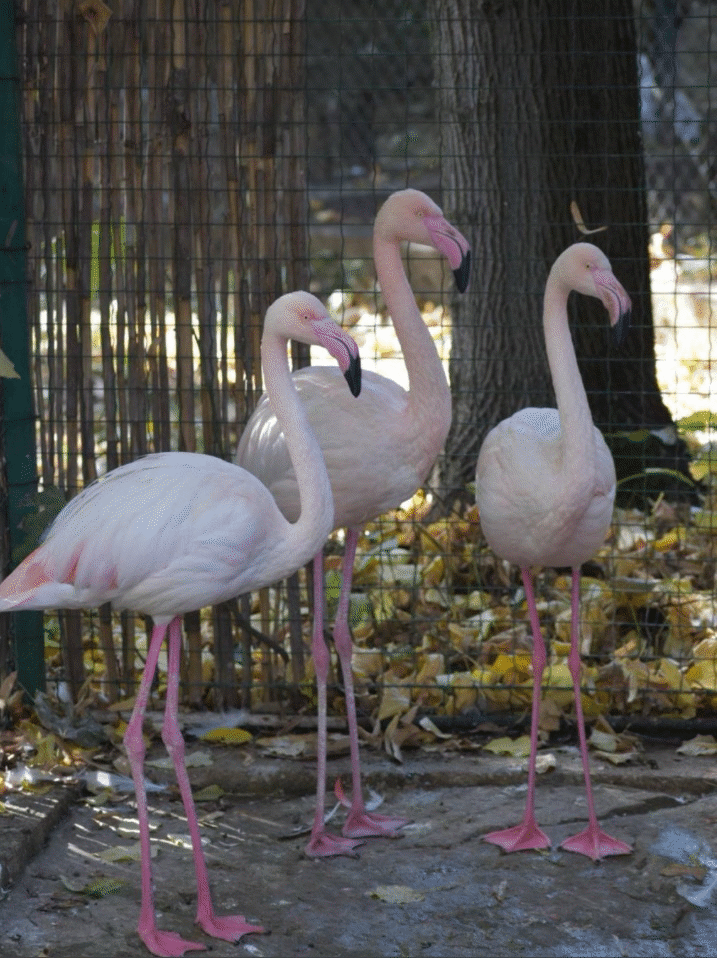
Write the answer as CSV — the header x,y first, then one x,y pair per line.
x,y
173,532
545,487
377,454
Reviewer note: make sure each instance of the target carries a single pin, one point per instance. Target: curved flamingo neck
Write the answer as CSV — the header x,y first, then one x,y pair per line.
x,y
575,417
427,384
316,518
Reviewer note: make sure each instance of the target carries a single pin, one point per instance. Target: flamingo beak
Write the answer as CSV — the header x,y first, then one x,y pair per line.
x,y
342,347
462,273
352,374
616,301
453,245
621,327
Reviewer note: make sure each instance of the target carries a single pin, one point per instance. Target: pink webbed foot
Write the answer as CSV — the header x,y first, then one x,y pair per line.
x,y
229,927
519,838
167,944
362,824
595,843
323,844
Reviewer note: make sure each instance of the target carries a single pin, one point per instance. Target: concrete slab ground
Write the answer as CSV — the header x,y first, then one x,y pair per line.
x,y
464,896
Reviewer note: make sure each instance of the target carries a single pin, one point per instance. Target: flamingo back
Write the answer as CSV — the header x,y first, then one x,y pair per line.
x,y
360,439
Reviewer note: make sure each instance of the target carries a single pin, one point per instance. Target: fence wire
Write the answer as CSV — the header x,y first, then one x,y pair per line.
x,y
184,166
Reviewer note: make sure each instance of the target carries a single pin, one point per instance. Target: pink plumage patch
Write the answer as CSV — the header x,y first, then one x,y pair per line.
x,y
103,579
69,577
31,574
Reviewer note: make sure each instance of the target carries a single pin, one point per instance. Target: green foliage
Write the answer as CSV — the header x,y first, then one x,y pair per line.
x,y
653,481
647,467
704,420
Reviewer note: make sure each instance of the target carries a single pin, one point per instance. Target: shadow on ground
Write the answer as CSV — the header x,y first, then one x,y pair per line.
x,y
468,897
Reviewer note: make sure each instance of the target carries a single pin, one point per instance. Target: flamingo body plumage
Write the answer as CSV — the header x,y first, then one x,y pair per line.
x,y
547,513
376,458
364,483
174,532
122,540
545,489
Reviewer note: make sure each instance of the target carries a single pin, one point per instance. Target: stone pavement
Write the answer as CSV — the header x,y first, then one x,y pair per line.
x,y
453,894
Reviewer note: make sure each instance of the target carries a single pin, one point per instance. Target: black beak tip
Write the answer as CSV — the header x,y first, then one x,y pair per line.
x,y
353,375
620,329
462,273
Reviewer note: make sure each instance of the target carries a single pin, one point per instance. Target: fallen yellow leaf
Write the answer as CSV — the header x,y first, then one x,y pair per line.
x,y
703,674
706,521
615,758
671,540
124,853
209,794
433,572
228,736
285,746
557,683
395,700
699,745
518,666
518,747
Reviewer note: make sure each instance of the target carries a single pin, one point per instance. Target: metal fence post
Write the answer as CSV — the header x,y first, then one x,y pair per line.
x,y
17,429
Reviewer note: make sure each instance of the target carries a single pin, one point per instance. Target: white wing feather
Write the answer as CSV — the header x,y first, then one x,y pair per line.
x,y
163,535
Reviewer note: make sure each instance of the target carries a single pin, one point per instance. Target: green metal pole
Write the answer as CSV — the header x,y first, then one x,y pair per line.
x,y
17,427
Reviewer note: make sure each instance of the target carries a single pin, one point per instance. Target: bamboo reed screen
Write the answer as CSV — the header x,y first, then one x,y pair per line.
x,y
167,209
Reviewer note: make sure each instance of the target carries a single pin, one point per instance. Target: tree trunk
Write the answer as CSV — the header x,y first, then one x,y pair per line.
x,y
539,107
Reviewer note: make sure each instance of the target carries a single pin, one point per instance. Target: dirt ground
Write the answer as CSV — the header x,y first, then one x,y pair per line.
x,y
468,897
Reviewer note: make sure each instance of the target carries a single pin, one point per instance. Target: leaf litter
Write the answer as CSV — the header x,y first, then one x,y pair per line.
x,y
442,644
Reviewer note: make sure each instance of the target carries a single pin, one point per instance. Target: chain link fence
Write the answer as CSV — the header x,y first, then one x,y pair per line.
x,y
182,171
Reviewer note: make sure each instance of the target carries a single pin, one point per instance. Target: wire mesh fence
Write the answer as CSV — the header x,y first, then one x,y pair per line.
x,y
186,165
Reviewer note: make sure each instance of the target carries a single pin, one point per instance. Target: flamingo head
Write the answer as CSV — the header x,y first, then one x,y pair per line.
x,y
587,270
303,317
412,216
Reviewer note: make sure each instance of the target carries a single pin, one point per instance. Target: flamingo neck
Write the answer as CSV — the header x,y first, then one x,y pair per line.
x,y
429,394
575,417
316,518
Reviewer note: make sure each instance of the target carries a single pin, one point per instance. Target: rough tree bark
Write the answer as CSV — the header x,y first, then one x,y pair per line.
x,y
538,101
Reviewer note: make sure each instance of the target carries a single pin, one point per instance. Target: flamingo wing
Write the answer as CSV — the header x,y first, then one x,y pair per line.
x,y
163,535
359,439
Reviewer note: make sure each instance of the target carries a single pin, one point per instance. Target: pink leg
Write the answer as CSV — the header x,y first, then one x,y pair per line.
x,y
322,843
527,834
230,927
359,823
592,842
166,944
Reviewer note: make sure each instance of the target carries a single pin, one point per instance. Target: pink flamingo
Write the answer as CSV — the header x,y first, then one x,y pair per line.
x,y
173,532
545,487
377,455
